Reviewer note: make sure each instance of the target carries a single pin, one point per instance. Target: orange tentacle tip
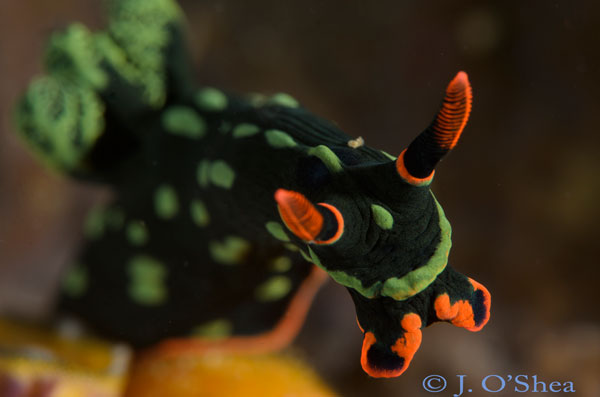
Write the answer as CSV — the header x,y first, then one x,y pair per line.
x,y
407,177
452,117
303,219
484,304
299,214
471,314
388,362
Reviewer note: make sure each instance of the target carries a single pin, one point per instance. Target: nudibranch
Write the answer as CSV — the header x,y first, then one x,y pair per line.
x,y
229,210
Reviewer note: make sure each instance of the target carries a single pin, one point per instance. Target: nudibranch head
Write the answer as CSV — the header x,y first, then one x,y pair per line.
x,y
378,230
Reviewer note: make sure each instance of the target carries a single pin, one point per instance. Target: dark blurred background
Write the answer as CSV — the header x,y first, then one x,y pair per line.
x,y
521,189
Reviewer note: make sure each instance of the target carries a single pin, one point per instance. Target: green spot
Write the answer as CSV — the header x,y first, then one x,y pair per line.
x,y
413,282
244,130
389,156
199,213
216,329
283,99
420,278
382,217
147,285
211,99
166,204
231,251
183,121
281,264
279,139
202,173
291,247
137,234
94,224
326,155
75,282
221,174
276,230
273,289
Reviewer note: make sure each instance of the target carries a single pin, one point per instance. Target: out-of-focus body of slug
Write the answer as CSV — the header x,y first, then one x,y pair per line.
x,y
223,204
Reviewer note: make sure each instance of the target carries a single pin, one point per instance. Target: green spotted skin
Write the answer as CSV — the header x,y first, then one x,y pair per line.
x,y
193,243
203,207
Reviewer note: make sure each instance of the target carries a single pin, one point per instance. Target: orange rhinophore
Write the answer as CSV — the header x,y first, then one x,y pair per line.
x,y
306,221
452,117
299,214
416,164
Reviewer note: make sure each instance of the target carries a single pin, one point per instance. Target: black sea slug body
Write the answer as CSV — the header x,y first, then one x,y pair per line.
x,y
229,211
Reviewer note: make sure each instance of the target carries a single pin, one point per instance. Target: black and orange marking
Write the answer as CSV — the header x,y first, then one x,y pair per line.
x,y
338,225
403,172
233,196
471,314
452,117
422,155
382,361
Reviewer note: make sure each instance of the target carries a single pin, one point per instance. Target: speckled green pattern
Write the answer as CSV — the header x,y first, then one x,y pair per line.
x,y
61,122
281,264
217,172
166,203
211,100
199,213
283,99
191,243
221,174
184,121
232,250
279,139
331,161
382,217
72,57
273,289
147,286
140,28
245,130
